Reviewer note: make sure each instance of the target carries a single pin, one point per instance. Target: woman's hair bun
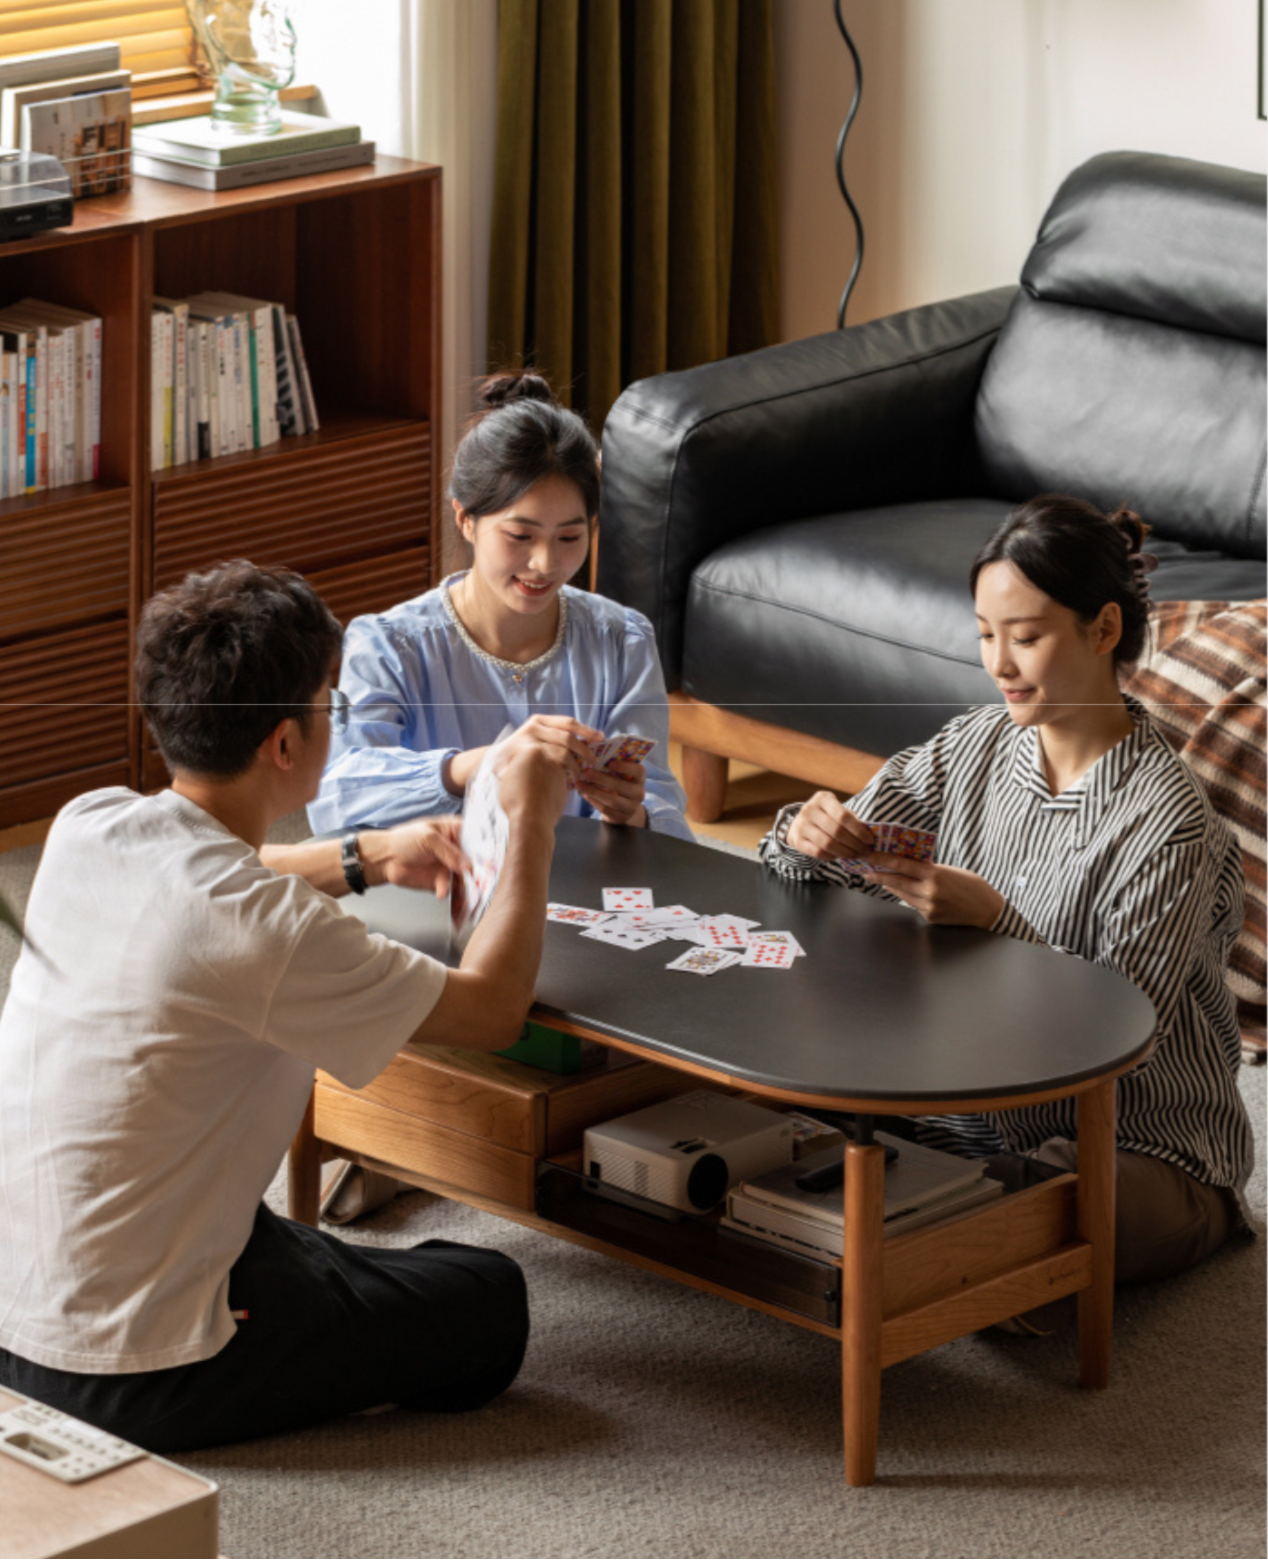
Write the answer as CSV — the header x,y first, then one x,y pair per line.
x,y
1133,529
501,389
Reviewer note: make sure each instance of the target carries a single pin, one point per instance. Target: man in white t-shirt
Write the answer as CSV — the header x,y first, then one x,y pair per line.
x,y
181,982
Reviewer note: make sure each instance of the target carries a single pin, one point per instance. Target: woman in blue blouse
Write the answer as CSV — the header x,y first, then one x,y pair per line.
x,y
433,682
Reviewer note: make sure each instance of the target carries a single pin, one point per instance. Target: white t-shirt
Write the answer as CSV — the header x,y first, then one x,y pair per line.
x,y
156,1057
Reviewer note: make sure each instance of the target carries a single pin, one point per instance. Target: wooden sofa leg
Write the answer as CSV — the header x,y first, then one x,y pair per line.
x,y
704,776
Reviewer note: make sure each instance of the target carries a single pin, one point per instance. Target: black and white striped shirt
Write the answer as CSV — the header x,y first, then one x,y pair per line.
x,y
1131,868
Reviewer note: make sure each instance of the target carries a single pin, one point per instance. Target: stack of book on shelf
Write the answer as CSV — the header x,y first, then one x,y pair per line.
x,y
227,375
922,1185
76,105
50,397
199,153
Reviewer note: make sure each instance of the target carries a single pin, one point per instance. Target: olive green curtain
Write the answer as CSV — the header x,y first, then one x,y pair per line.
x,y
634,213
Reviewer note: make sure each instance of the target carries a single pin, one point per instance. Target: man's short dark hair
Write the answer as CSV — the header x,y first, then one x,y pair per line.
x,y
224,656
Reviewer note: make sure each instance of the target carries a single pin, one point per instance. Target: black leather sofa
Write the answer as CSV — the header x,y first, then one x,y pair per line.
x,y
798,523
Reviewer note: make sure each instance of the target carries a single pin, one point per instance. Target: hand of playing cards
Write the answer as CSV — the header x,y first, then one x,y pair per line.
x,y
630,920
483,839
895,839
623,748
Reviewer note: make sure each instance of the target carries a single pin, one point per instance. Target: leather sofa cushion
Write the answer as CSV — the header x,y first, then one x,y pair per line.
x,y
1122,410
1157,238
864,620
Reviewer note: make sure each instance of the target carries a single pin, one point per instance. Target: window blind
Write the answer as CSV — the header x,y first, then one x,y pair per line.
x,y
154,36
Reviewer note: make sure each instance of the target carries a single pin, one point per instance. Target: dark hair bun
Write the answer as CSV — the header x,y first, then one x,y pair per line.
x,y
1132,528
503,389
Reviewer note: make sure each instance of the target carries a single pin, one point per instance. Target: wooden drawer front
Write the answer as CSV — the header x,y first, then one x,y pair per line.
x,y
364,1126
63,703
64,563
482,1095
306,508
374,584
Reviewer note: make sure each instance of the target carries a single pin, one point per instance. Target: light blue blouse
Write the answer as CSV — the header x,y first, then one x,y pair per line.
x,y
421,689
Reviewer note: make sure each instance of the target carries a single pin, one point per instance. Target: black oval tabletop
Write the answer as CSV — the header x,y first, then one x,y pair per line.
x,y
882,1006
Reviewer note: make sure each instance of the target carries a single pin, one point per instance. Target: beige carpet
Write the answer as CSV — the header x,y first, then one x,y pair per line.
x,y
650,1420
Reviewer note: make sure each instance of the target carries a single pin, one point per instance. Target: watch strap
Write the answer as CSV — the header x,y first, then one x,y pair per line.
x,y
350,856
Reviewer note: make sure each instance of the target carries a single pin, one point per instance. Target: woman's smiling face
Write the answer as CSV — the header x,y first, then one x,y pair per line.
x,y
526,552
1047,664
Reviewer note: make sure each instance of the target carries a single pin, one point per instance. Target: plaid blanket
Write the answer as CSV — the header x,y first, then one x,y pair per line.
x,y
1203,682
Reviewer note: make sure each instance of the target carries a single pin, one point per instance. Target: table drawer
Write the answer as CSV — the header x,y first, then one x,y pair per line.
x,y
508,1103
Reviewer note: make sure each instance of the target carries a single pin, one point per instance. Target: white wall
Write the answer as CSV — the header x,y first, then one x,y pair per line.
x,y
972,113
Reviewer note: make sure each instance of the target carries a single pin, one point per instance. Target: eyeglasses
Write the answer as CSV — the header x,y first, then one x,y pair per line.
x,y
339,709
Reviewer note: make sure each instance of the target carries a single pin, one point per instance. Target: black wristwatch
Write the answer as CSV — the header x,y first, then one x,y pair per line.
x,y
350,856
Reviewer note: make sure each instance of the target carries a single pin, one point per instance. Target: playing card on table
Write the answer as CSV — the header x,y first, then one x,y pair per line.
x,y
483,840
576,915
628,899
704,961
670,915
617,936
777,940
768,956
722,931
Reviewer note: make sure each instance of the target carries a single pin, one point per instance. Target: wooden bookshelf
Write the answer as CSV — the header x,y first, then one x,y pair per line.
x,y
355,256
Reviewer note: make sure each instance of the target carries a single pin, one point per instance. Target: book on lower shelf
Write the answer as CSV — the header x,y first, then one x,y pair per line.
x,y
231,367
922,1186
50,359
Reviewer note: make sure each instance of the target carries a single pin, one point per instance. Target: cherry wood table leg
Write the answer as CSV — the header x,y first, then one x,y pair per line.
x,y
704,779
1096,1190
304,1172
861,1308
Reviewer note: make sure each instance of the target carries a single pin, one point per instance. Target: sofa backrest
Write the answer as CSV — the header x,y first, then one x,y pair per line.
x,y
1131,367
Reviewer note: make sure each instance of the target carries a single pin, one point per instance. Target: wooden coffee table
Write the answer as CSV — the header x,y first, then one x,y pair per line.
x,y
884,1016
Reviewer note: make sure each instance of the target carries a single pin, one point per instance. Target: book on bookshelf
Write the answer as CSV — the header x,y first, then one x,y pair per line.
x,y
55,64
90,136
35,343
227,374
14,99
266,170
199,140
86,330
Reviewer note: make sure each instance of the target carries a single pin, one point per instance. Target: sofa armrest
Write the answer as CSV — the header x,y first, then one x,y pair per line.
x,y
880,413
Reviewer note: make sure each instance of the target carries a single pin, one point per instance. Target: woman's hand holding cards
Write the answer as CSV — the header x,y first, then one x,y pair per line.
x,y
945,896
616,792
826,830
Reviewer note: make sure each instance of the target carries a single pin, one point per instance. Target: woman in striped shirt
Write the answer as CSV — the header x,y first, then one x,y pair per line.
x,y
1064,818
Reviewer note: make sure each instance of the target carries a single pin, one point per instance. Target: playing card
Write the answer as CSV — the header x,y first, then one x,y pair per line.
x,y
777,940
631,937
623,748
896,839
722,931
576,915
670,915
628,899
483,839
768,956
704,961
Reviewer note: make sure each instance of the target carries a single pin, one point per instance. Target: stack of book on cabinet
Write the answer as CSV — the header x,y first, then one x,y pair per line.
x,y
202,154
227,375
50,397
922,1185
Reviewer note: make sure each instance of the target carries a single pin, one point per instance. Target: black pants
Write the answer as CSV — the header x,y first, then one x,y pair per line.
x,y
331,1329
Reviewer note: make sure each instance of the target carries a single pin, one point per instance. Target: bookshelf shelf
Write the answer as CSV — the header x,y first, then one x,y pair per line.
x,y
356,256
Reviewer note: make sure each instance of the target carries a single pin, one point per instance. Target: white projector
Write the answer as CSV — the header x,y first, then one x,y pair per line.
x,y
688,1151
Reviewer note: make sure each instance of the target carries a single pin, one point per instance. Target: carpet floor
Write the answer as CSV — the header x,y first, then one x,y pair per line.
x,y
651,1420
